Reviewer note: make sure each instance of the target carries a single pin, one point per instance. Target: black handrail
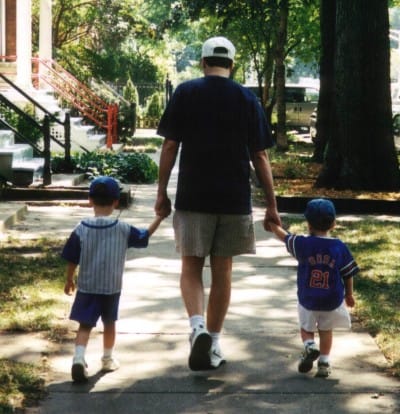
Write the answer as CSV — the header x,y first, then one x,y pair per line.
x,y
30,99
33,122
20,136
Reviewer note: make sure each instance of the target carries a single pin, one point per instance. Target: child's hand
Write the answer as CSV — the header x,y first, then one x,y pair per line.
x,y
69,287
349,299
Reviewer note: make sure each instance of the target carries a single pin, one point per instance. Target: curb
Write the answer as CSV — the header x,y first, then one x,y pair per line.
x,y
9,219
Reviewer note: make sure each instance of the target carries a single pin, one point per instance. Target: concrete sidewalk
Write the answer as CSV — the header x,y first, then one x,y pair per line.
x,y
260,338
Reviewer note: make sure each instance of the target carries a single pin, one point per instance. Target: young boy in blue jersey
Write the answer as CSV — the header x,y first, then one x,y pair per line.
x,y
324,282
98,246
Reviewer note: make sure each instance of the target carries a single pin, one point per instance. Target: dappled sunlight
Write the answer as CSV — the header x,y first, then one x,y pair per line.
x,y
152,261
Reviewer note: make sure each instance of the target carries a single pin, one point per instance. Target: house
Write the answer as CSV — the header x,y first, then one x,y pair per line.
x,y
36,78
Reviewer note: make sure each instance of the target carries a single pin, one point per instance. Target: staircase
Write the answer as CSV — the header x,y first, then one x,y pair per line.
x,y
17,162
96,128
83,135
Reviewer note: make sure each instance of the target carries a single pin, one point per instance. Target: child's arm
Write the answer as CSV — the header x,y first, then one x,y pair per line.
x,y
154,225
69,286
279,231
348,292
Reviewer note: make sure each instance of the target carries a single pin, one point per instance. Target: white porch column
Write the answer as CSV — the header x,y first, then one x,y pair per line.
x,y
24,44
2,27
45,36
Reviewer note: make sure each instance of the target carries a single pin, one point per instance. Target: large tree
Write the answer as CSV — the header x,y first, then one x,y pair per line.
x,y
360,152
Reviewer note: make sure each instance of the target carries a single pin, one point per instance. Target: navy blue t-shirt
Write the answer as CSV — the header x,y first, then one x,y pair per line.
x,y
219,123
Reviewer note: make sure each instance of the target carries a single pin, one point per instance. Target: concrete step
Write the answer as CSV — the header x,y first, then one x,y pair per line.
x,y
10,155
6,138
26,172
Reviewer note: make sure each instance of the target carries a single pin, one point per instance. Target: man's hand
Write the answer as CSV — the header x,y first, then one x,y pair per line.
x,y
162,207
271,214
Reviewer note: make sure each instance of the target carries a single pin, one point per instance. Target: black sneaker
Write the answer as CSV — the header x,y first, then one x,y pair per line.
x,y
79,370
200,342
310,354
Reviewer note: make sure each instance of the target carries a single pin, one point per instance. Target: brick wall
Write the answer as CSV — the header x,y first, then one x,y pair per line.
x,y
11,32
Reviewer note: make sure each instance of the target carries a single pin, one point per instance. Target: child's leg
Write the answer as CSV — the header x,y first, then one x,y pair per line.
x,y
82,339
79,367
109,336
306,336
326,338
325,345
109,363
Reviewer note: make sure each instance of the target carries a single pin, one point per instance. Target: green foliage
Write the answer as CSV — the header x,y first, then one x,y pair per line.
x,y
20,384
130,92
128,168
155,106
22,124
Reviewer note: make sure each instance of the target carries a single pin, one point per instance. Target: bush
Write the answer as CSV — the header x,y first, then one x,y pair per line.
x,y
128,168
154,107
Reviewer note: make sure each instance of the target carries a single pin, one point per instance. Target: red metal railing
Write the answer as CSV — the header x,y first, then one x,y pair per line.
x,y
78,95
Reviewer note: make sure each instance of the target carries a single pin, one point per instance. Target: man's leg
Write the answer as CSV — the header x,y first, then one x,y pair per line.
x,y
192,289
218,303
220,292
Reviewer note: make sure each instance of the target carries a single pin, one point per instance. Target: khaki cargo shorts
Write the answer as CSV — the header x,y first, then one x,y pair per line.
x,y
203,234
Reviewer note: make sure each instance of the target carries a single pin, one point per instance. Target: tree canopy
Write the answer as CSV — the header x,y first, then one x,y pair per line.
x,y
150,40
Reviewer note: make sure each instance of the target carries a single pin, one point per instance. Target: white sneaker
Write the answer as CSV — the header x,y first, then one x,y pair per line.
x,y
216,357
200,343
109,364
79,371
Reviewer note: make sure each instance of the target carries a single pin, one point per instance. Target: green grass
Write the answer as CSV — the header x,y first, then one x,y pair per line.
x,y
32,278
21,385
375,245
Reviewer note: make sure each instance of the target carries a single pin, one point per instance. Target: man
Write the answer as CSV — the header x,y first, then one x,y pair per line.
x,y
219,126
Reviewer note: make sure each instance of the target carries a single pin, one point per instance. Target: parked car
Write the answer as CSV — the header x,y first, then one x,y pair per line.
x,y
301,101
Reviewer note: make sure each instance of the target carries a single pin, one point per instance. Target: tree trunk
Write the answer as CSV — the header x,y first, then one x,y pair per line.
x,y
325,118
281,137
361,154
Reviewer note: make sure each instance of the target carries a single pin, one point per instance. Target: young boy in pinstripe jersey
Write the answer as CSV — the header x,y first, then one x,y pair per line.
x,y
98,246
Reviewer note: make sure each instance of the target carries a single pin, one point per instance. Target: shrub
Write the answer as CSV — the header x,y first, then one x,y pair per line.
x,y
128,168
155,106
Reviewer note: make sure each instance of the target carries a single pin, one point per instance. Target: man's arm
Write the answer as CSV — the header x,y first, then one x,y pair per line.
x,y
167,161
262,166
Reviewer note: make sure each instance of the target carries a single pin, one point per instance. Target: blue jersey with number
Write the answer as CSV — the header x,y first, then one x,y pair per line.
x,y
323,264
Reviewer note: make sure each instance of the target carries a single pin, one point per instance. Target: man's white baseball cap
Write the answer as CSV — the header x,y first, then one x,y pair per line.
x,y
218,47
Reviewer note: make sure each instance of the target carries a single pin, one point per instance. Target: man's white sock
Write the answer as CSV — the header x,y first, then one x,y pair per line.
x,y
196,320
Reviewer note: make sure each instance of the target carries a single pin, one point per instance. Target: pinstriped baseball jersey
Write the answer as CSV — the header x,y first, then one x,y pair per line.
x,y
323,263
98,245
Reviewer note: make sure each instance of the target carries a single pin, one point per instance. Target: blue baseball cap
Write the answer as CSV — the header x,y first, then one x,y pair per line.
x,y
320,208
109,188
